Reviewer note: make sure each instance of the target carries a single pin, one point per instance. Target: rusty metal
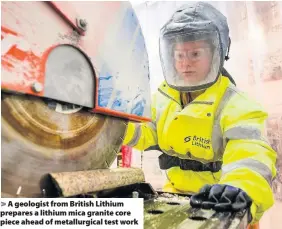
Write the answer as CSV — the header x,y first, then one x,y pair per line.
x,y
37,140
68,184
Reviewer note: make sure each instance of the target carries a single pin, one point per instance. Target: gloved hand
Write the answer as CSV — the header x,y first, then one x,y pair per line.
x,y
221,198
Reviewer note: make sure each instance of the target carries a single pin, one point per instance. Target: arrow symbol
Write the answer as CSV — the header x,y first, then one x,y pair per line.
x,y
3,204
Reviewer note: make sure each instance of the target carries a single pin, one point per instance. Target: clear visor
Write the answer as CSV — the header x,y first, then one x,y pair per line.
x,y
191,61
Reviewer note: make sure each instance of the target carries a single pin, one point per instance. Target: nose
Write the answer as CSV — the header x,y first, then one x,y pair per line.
x,y
186,63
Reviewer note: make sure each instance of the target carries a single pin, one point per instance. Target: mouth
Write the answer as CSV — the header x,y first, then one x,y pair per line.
x,y
189,73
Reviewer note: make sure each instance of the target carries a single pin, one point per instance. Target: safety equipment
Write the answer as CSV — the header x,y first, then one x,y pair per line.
x,y
220,125
65,101
221,198
191,61
193,46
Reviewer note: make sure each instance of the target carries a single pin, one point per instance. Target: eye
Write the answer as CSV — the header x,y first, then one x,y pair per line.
x,y
195,54
198,53
179,55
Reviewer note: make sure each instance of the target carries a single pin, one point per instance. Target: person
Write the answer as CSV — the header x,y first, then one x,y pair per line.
x,y
211,133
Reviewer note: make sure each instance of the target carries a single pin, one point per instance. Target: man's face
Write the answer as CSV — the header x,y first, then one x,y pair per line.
x,y
192,60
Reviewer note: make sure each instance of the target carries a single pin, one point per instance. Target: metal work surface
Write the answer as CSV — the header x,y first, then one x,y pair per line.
x,y
164,210
169,211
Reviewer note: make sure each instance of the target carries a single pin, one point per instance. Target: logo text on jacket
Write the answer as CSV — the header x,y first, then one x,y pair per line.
x,y
198,141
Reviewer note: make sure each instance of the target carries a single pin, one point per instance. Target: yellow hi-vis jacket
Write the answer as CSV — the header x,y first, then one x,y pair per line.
x,y
222,125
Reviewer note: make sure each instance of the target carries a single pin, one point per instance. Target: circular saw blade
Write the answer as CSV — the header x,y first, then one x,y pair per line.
x,y
37,139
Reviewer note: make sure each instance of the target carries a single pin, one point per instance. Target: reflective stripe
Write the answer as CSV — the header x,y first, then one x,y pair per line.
x,y
137,133
152,125
136,136
218,143
160,109
158,116
243,132
251,164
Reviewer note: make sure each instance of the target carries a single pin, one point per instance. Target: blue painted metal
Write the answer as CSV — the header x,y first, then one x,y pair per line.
x,y
123,78
113,44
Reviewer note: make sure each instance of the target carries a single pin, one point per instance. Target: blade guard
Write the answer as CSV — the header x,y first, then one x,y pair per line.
x,y
91,54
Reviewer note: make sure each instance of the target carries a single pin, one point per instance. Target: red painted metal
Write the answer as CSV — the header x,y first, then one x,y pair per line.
x,y
28,35
25,47
126,152
24,65
68,13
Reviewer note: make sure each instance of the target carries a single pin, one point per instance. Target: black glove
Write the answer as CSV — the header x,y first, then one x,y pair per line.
x,y
221,198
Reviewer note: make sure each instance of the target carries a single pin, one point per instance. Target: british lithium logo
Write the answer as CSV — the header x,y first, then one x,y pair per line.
x,y
198,141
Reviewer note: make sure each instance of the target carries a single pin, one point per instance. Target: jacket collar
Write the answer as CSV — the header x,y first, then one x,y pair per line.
x,y
209,96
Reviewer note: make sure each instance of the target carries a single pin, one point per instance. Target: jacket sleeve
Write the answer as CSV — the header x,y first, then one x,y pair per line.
x,y
248,159
142,136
